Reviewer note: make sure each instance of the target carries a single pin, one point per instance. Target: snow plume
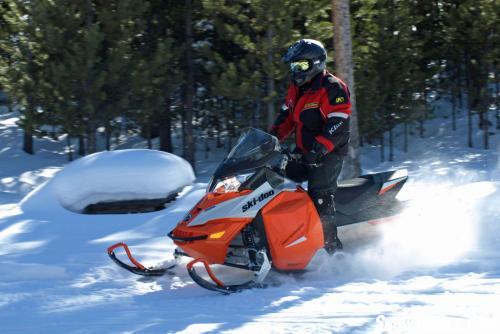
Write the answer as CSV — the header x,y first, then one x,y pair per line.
x,y
448,222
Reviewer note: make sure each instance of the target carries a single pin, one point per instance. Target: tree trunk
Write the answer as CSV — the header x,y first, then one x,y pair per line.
x,y
423,116
405,138
459,83
344,69
485,107
219,139
270,78
28,139
91,140
256,111
469,100
165,131
108,134
30,109
453,112
207,146
497,97
486,128
70,149
382,147
187,121
81,146
454,96
147,130
391,145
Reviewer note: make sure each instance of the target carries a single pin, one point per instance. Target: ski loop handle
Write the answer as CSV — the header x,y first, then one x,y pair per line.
x,y
208,269
111,250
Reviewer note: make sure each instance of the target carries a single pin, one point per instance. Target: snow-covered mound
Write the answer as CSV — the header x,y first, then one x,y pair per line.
x,y
120,175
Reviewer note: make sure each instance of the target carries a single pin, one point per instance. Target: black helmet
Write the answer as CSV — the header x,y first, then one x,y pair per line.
x,y
307,57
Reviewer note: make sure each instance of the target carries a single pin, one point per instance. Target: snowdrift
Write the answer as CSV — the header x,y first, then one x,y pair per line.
x,y
123,175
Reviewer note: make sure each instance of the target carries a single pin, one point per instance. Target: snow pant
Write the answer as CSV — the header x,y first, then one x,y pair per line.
x,y
322,184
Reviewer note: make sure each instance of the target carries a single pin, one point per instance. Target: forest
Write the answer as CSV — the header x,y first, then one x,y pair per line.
x,y
82,70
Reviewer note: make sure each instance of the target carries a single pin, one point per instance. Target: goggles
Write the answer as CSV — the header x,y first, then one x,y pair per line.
x,y
300,65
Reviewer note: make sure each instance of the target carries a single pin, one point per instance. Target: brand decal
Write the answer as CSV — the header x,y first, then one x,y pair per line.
x,y
339,100
256,200
335,127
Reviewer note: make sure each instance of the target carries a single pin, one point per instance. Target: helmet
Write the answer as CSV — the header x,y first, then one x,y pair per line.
x,y
307,57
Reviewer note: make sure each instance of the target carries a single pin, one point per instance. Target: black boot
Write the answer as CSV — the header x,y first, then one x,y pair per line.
x,y
326,209
332,241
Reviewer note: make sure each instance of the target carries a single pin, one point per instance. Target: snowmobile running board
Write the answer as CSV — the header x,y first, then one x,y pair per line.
x,y
228,289
139,269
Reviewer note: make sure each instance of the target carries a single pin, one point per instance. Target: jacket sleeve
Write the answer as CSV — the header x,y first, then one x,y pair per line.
x,y
335,106
284,124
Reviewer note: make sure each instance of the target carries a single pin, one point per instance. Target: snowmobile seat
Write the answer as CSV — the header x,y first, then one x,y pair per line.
x,y
350,189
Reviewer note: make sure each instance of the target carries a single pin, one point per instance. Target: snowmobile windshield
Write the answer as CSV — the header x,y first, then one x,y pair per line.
x,y
253,145
254,149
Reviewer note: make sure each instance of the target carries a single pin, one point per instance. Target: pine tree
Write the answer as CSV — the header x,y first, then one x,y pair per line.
x,y
21,63
155,75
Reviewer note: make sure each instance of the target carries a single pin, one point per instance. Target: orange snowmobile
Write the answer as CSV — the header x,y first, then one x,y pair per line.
x,y
253,217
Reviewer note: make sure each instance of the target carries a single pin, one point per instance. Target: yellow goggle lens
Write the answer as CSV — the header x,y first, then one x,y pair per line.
x,y
300,65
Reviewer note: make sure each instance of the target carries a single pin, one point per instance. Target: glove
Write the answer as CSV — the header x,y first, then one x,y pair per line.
x,y
316,154
312,157
319,148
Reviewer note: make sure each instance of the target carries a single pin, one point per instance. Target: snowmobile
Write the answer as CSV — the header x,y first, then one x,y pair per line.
x,y
253,217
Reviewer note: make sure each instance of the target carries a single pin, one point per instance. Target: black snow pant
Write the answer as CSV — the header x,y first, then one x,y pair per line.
x,y
322,184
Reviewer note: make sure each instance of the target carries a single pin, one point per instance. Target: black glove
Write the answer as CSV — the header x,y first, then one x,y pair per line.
x,y
312,157
319,148
316,154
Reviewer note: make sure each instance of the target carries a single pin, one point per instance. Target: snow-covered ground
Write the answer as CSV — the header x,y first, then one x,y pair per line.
x,y
434,270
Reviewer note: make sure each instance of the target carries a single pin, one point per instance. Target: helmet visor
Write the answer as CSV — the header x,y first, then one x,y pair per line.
x,y
300,66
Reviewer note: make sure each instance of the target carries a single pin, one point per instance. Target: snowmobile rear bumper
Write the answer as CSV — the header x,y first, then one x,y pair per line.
x,y
139,269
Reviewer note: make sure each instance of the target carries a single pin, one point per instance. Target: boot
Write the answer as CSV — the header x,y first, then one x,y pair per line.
x,y
332,241
325,205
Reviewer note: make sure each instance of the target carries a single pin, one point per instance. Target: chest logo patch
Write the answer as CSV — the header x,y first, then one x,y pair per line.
x,y
339,100
311,105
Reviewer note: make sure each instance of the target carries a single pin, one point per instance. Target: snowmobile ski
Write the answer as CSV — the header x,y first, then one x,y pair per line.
x,y
139,269
228,289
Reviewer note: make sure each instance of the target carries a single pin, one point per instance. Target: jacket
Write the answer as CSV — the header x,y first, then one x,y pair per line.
x,y
318,111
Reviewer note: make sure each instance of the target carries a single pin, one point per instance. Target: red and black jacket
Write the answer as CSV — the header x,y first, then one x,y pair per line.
x,y
317,111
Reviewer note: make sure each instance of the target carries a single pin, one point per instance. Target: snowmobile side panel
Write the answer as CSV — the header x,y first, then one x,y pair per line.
x,y
293,230
244,205
213,247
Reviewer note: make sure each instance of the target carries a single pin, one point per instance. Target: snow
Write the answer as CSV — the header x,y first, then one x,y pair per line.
x,y
120,175
434,270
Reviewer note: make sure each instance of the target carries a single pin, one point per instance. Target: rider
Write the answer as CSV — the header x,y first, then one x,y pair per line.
x,y
317,107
